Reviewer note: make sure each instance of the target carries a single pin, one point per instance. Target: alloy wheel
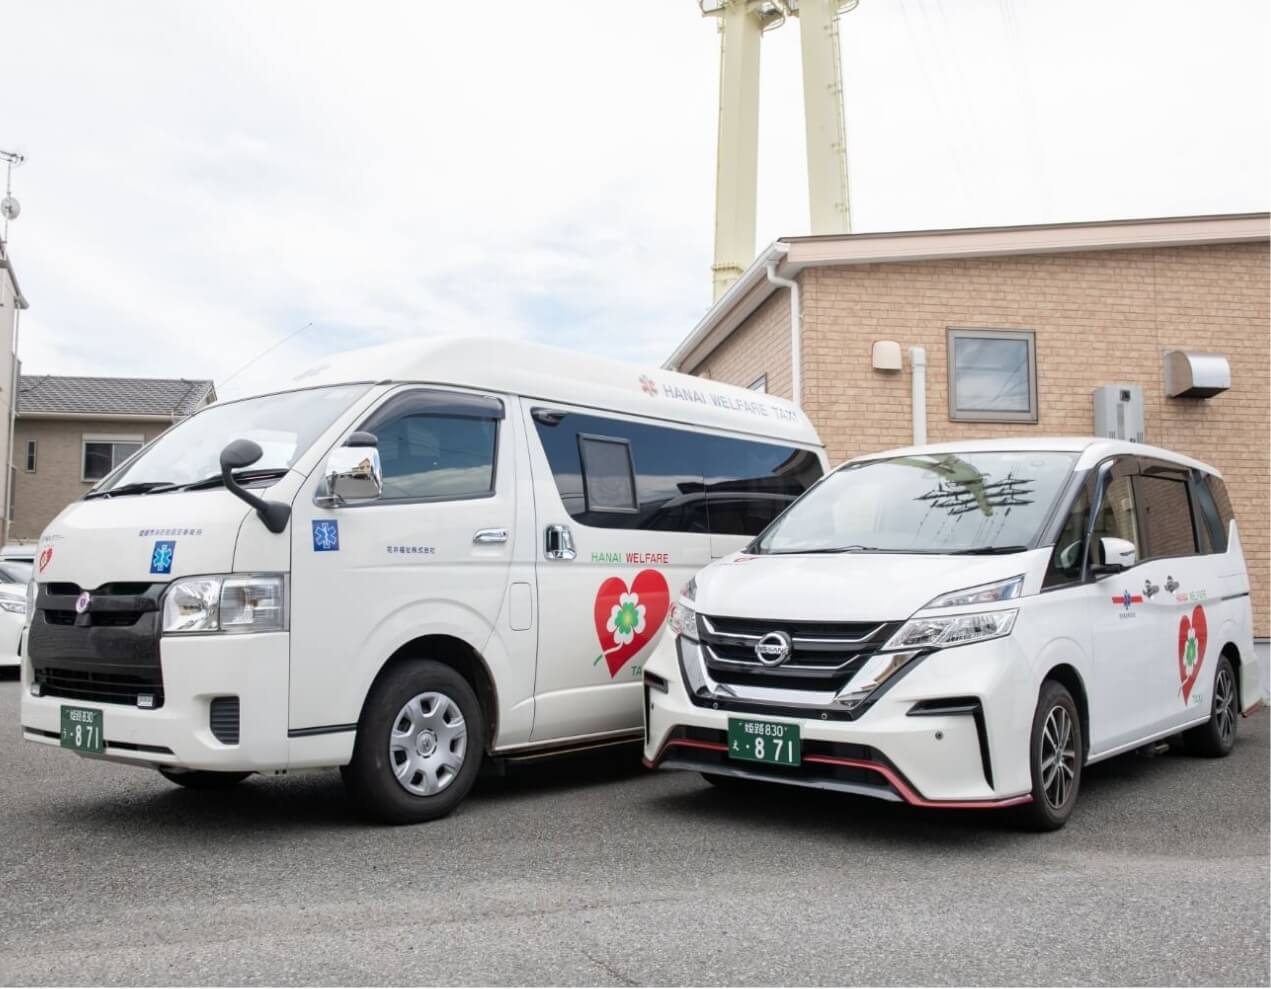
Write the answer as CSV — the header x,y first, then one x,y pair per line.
x,y
1058,757
1225,705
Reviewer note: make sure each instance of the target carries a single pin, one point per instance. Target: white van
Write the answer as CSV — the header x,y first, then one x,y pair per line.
x,y
965,625
410,558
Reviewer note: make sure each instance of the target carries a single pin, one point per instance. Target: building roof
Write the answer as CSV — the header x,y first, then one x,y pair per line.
x,y
153,398
791,255
555,377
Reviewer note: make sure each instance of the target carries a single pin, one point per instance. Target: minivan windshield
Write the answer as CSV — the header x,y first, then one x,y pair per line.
x,y
991,502
285,425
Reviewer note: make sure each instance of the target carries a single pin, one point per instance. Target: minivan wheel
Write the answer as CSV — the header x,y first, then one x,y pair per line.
x,y
419,744
1217,736
201,779
1056,755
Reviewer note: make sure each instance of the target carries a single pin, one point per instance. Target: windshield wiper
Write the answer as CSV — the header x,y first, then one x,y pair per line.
x,y
988,551
137,487
832,549
216,480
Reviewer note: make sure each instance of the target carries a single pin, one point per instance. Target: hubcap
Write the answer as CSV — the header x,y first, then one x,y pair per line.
x,y
428,743
1058,757
1225,705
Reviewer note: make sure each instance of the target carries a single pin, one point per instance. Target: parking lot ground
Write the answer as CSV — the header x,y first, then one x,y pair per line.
x,y
596,872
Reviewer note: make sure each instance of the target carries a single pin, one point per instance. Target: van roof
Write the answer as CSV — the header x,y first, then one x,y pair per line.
x,y
517,367
1092,449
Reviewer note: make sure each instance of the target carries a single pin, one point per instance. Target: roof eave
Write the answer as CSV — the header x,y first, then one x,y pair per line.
x,y
97,417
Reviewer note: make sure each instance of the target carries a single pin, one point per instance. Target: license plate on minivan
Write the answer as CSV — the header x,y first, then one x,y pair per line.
x,y
772,742
82,729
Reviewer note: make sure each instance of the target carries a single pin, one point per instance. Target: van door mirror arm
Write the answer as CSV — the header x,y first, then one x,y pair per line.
x,y
244,453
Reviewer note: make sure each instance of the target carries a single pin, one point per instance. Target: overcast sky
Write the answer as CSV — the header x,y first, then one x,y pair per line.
x,y
205,178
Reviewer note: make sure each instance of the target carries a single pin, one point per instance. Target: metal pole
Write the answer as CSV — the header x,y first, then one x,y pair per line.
x,y
829,202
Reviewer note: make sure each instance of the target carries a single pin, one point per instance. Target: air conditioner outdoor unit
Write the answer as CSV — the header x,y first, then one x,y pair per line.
x,y
1118,412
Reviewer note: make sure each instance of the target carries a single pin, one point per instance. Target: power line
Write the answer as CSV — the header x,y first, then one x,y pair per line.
x,y
272,347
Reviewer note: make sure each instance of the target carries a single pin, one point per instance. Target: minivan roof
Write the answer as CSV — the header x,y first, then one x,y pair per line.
x,y
1091,448
550,374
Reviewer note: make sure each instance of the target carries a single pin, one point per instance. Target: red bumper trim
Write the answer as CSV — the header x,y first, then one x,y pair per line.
x,y
907,793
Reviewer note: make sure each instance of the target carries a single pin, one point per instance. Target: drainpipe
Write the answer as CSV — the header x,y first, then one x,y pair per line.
x,y
796,348
918,369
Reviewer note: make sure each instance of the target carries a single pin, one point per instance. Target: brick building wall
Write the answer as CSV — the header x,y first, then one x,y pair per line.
x,y
56,480
1099,317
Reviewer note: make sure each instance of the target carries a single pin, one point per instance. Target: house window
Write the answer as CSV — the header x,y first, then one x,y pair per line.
x,y
30,457
992,375
102,454
759,384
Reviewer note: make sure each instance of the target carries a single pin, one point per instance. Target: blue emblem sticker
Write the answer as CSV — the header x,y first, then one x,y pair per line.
x,y
161,558
326,535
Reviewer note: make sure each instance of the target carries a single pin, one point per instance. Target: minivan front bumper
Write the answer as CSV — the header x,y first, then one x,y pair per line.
x,y
197,669
951,730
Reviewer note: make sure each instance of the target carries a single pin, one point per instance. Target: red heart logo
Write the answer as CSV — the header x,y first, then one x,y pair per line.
x,y
46,554
628,618
1197,626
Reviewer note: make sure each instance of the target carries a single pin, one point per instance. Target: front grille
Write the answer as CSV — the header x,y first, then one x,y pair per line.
x,y
823,655
223,719
108,653
101,686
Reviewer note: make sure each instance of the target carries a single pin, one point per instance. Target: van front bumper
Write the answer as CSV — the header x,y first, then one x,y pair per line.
x,y
196,669
951,731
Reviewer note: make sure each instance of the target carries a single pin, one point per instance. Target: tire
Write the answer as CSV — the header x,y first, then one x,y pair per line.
x,y
1217,736
201,779
1056,722
419,744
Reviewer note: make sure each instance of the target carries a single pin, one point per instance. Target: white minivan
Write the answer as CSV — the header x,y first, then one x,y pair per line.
x,y
398,563
965,625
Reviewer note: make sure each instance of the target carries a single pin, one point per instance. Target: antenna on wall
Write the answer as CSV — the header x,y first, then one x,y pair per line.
x,y
10,208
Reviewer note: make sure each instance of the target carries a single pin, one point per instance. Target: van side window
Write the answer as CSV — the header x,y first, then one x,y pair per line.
x,y
1166,513
438,457
749,484
684,481
1066,558
1222,502
1116,517
608,477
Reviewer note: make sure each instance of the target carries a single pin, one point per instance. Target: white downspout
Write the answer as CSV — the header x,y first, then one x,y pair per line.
x,y
918,369
796,347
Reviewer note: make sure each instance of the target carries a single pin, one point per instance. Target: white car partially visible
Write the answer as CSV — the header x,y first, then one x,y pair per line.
x,y
14,578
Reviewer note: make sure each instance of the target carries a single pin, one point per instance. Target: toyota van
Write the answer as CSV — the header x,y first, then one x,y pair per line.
x,y
965,625
401,563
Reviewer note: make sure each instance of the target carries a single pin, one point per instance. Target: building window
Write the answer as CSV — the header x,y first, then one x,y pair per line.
x,y
102,454
30,457
759,384
992,375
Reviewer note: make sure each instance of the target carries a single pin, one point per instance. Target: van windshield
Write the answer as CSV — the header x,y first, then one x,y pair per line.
x,y
993,502
284,425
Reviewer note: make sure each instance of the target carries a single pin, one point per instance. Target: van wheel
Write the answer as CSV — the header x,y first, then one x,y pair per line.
x,y
419,744
201,779
1216,737
1055,755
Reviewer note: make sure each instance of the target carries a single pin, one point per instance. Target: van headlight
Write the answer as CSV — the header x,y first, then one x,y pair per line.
x,y
226,603
683,617
13,605
955,630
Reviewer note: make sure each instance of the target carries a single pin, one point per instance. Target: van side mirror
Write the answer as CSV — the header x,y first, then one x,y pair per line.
x,y
239,454
353,474
243,453
1115,555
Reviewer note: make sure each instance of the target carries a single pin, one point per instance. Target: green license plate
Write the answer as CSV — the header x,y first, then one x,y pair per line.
x,y
82,729
764,741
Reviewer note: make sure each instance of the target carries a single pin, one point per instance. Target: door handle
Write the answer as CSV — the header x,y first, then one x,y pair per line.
x,y
1171,584
486,536
1149,589
558,543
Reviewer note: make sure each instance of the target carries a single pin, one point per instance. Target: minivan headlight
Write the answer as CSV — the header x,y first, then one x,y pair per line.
x,y
954,630
683,617
226,603
968,597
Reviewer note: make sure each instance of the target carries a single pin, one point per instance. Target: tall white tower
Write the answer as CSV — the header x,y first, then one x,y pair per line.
x,y
741,25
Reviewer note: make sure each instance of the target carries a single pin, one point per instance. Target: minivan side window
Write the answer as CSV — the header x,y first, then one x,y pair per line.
x,y
1217,490
437,446
1117,517
1066,558
684,481
1166,513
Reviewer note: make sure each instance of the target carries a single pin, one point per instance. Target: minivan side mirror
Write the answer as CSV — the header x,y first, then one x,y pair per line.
x,y
1115,555
353,474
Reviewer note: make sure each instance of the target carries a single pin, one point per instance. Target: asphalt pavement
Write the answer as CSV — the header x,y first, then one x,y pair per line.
x,y
593,871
